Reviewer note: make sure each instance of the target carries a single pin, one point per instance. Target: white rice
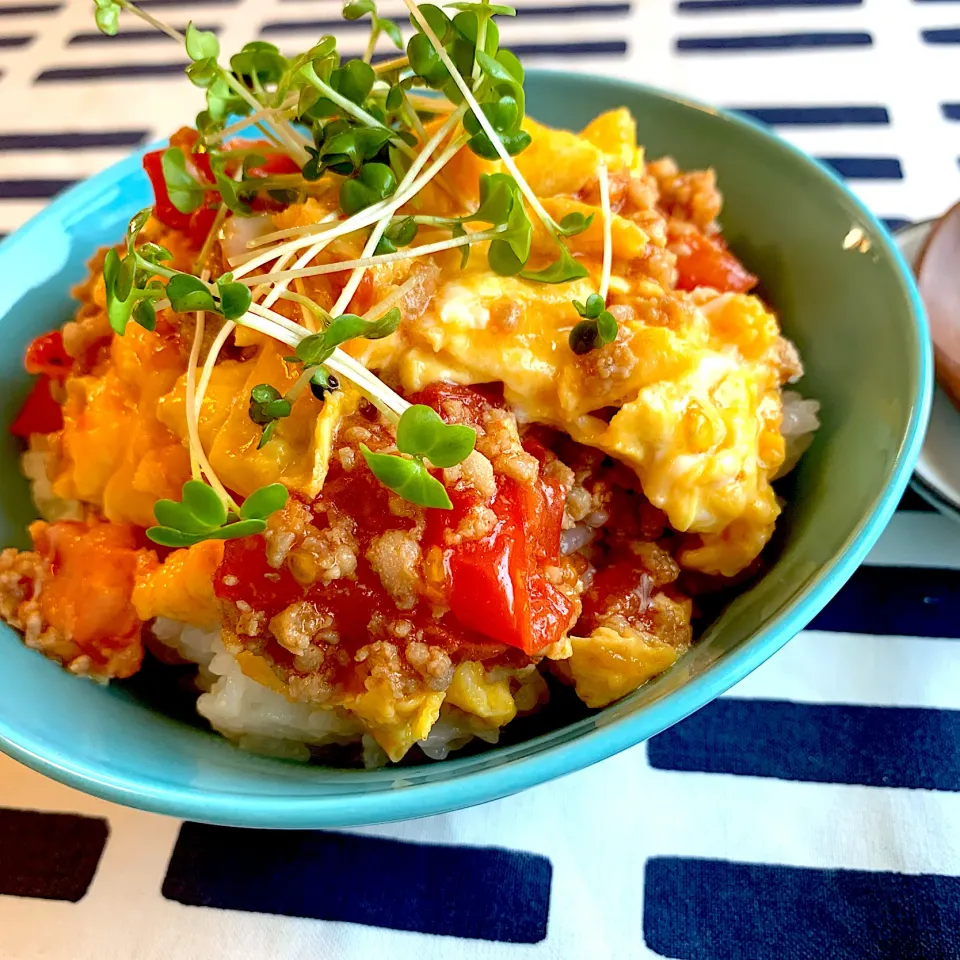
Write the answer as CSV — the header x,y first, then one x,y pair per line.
x,y
251,715
262,721
34,465
799,423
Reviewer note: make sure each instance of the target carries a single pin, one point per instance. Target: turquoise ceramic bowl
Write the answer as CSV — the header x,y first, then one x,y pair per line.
x,y
844,295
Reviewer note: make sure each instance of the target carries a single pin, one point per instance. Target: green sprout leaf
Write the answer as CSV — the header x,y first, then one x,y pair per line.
x,y
203,503
201,515
399,234
188,293
374,183
422,433
137,222
409,479
235,298
315,349
267,404
201,44
106,16
354,80
563,269
358,8
261,503
574,223
597,328
145,314
184,191
261,61
484,9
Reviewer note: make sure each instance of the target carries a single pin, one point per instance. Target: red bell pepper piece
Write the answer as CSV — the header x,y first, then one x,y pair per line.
x,y
708,263
40,413
46,354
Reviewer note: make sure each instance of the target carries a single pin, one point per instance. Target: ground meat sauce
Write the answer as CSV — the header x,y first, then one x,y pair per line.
x,y
484,581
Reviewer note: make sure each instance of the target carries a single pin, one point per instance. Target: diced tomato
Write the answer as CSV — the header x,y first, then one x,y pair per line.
x,y
473,400
616,589
495,584
201,220
709,264
275,165
244,575
40,413
47,355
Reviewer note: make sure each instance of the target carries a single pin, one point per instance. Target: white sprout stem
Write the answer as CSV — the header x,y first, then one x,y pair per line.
x,y
485,124
309,320
285,331
250,120
407,188
607,232
210,362
280,288
364,262
193,430
391,300
283,130
411,185
418,126
371,45
153,21
199,464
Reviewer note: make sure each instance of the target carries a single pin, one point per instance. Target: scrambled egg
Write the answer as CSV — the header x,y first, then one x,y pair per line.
x,y
688,396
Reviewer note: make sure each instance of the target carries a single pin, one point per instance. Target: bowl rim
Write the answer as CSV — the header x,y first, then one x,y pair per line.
x,y
255,809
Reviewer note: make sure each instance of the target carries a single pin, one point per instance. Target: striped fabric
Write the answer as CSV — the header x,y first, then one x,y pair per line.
x,y
813,812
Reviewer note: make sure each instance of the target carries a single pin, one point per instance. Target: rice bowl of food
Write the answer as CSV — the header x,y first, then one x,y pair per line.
x,y
425,449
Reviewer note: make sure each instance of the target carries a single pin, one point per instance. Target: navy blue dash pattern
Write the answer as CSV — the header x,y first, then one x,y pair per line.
x,y
906,747
117,71
941,35
49,856
188,4
865,168
717,910
32,189
72,140
585,48
20,40
818,116
950,111
893,224
128,36
911,500
898,601
779,41
27,9
523,13
480,893
702,6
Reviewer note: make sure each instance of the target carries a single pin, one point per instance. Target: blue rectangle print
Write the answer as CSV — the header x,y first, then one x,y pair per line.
x,y
481,893
717,910
48,856
825,743
896,601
